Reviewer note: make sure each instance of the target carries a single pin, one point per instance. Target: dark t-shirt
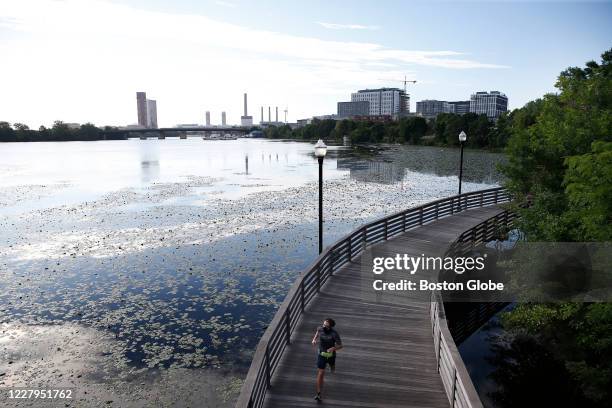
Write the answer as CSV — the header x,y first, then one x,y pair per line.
x,y
328,339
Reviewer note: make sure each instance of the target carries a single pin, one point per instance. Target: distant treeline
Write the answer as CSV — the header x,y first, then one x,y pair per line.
x,y
441,131
60,131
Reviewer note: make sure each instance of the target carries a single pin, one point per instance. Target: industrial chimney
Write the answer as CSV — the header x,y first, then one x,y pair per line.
x,y
246,120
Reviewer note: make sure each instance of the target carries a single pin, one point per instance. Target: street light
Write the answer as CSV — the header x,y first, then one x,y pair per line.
x,y
320,150
462,139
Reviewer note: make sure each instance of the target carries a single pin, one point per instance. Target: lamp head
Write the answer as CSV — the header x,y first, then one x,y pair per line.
x,y
320,149
462,136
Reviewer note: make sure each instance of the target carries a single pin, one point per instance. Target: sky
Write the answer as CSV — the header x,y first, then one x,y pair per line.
x,y
84,60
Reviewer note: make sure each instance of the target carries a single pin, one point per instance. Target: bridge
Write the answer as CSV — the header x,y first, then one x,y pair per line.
x,y
398,349
162,133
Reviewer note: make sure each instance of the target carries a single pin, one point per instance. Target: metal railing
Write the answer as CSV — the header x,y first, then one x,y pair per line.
x,y
455,377
278,334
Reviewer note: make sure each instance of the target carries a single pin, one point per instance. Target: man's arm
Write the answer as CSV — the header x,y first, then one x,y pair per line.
x,y
337,345
314,339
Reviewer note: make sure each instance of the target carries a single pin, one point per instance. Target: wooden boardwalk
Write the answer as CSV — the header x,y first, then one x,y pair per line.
x,y
389,358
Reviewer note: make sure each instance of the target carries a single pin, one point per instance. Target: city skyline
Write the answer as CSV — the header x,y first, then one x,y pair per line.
x,y
197,57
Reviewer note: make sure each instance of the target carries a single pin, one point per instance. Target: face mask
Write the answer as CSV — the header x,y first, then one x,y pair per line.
x,y
326,329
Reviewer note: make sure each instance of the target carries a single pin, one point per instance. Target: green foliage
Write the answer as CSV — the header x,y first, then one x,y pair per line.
x,y
560,161
20,132
552,143
587,186
577,334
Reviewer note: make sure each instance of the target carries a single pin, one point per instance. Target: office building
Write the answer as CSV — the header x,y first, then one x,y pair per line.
x,y
430,108
151,114
492,104
348,109
384,101
141,106
460,107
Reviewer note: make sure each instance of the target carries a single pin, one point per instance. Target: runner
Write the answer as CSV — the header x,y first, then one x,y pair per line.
x,y
329,343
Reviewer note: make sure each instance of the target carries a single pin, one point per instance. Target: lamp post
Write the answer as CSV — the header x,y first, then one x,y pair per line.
x,y
320,150
462,139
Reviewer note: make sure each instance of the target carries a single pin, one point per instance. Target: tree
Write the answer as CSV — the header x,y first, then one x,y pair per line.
x,y
539,155
560,161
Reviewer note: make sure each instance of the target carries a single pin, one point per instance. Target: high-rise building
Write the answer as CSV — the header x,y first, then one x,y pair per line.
x,y
246,120
348,109
492,104
460,107
151,114
431,108
207,118
223,119
384,101
141,106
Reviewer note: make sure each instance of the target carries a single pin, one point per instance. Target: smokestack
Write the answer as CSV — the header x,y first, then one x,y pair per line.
x,y
207,118
269,114
245,105
262,114
223,119
277,114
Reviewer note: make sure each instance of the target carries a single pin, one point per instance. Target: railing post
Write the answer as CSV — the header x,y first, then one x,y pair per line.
x,y
452,205
436,210
496,191
363,238
481,197
386,229
319,277
439,347
454,386
421,216
267,366
302,294
288,324
404,222
350,248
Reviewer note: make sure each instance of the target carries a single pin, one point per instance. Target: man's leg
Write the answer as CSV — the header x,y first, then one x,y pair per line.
x,y
320,380
320,375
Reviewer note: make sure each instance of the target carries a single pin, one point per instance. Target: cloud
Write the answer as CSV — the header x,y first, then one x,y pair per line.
x,y
225,4
335,26
69,51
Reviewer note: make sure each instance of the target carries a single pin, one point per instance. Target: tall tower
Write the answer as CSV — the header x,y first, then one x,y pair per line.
x,y
223,122
141,106
276,114
262,115
207,118
269,114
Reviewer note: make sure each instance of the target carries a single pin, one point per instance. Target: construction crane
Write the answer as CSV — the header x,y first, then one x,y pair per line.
x,y
405,81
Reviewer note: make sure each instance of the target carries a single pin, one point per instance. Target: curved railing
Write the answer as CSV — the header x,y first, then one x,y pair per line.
x,y
278,334
455,377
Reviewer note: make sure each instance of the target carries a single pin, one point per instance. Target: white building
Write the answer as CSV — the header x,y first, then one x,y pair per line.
x,y
492,104
384,101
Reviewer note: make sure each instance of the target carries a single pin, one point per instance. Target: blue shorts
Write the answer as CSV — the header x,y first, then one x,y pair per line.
x,y
323,361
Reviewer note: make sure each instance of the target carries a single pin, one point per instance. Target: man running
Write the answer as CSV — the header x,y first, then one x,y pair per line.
x,y
329,343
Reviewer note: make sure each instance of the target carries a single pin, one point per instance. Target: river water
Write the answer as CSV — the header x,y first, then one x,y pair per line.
x,y
145,271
